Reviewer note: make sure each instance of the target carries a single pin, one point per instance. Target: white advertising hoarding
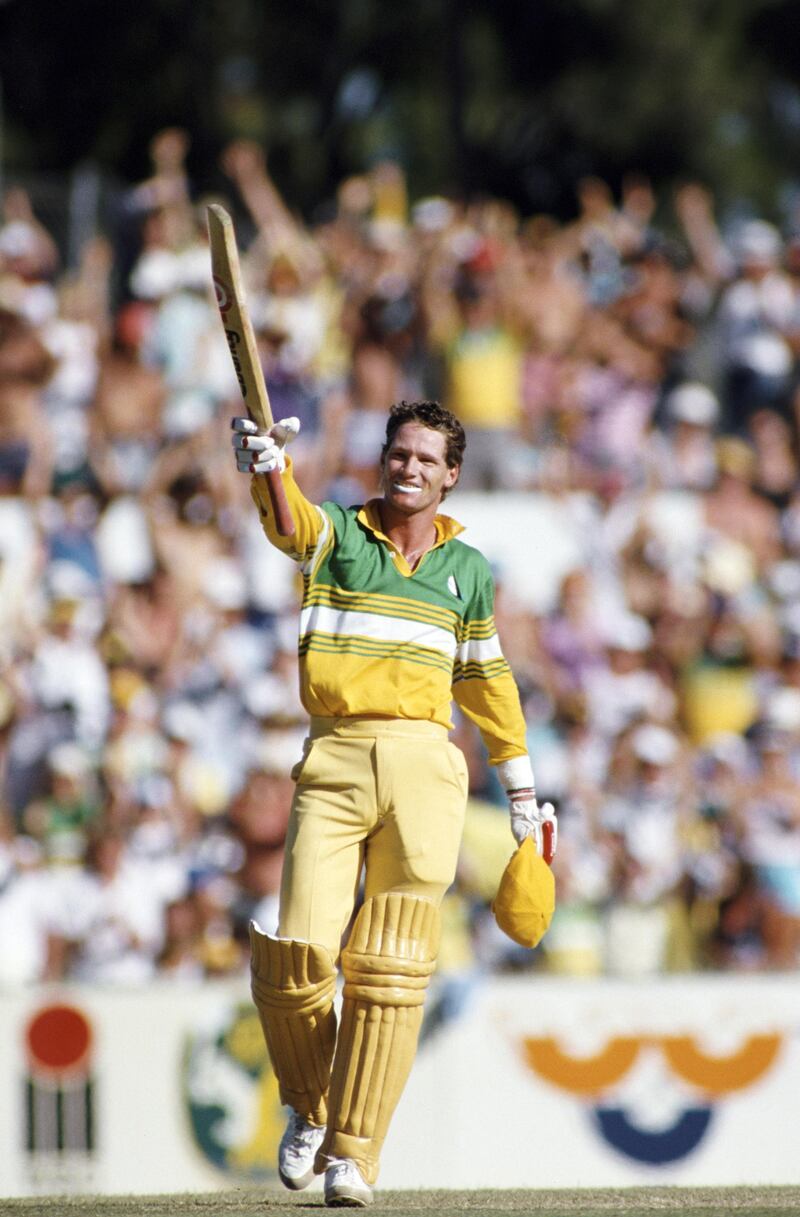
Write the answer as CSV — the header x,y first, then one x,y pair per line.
x,y
537,1082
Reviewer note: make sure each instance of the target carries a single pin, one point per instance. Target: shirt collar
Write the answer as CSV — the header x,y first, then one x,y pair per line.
x,y
446,527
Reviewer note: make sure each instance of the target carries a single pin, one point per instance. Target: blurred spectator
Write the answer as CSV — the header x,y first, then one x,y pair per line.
x,y
110,922
25,368
27,909
647,811
768,819
684,454
755,314
626,687
776,469
126,409
737,512
470,320
62,821
29,261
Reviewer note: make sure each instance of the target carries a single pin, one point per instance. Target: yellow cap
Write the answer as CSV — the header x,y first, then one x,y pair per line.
x,y
526,898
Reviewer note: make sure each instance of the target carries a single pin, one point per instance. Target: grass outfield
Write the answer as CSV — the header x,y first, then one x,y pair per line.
x,y
633,1202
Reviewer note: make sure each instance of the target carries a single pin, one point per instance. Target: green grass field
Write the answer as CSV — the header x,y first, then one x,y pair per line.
x,y
632,1202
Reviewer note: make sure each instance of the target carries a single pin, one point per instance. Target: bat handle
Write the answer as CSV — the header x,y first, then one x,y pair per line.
x,y
547,842
280,504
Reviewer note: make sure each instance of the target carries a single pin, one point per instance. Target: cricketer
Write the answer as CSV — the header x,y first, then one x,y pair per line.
x,y
397,620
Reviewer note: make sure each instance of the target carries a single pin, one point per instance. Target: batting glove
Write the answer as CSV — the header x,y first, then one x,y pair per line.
x,y
257,452
528,819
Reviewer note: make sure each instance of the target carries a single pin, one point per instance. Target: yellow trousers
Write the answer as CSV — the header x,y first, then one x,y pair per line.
x,y
388,795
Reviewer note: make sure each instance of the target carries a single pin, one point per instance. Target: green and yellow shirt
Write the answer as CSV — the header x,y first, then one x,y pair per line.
x,y
378,639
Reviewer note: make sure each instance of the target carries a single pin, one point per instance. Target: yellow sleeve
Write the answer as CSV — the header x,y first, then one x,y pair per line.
x,y
484,687
493,704
309,520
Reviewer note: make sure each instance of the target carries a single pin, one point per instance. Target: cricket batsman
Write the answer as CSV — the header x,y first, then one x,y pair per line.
x,y
396,621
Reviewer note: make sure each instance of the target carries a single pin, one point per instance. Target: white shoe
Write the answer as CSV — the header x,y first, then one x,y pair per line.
x,y
344,1186
297,1150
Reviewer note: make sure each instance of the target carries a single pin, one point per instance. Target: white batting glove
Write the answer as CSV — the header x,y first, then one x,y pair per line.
x,y
260,452
528,819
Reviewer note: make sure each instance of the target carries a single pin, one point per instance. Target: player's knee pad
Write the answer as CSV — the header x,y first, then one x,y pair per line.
x,y
387,964
293,986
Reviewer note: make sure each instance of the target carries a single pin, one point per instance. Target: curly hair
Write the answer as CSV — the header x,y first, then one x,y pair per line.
x,y
428,414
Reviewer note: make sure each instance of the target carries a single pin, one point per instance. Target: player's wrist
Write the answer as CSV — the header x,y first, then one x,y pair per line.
x,y
516,775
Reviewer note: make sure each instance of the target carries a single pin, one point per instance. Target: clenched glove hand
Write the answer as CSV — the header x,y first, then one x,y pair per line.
x,y
528,819
257,452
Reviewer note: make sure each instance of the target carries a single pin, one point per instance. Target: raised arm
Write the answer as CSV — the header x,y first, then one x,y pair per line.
x,y
485,690
258,453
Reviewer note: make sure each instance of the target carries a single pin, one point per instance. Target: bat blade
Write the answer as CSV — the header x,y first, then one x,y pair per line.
x,y
240,337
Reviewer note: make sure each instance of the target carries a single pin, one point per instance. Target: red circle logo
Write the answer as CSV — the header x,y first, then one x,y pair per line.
x,y
58,1039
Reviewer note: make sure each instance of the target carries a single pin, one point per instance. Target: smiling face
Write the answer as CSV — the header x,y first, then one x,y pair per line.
x,y
415,475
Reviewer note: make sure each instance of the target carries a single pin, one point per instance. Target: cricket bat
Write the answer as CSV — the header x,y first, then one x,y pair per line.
x,y
227,276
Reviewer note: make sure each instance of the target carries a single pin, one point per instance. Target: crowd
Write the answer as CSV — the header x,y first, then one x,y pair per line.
x,y
628,381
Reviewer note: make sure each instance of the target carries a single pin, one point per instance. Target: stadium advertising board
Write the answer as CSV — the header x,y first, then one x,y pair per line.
x,y
539,1082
